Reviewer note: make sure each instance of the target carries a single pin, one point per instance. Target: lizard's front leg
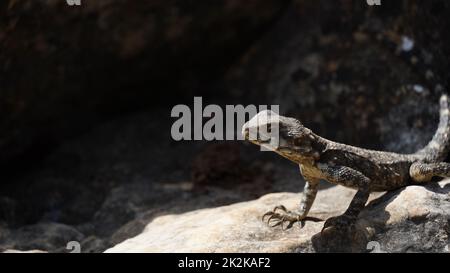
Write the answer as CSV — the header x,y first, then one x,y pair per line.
x,y
280,215
348,177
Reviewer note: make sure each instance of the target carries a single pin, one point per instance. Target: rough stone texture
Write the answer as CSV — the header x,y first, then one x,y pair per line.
x,y
233,228
413,219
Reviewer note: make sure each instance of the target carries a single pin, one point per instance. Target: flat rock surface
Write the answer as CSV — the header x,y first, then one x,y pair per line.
x,y
406,218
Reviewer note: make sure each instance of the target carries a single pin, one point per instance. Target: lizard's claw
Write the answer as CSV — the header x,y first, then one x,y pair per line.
x,y
280,207
273,212
286,218
340,222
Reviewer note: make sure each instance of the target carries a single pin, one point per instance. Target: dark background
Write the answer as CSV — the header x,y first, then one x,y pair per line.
x,y
86,94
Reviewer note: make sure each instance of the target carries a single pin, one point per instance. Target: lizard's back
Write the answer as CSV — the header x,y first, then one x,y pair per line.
x,y
389,170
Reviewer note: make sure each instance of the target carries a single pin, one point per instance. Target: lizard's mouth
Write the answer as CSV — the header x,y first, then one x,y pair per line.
x,y
258,139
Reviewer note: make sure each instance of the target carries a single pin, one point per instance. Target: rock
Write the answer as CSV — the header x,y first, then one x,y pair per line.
x,y
117,186
60,77
315,66
25,251
92,244
217,163
315,60
8,209
222,165
415,218
43,236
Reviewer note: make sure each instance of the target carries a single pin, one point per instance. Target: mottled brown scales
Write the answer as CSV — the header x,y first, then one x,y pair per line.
x,y
362,169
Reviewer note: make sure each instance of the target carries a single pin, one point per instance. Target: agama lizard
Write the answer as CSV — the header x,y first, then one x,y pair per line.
x,y
362,169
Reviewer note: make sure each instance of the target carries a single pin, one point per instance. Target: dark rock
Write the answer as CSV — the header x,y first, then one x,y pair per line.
x,y
322,64
222,165
43,236
8,210
65,68
92,244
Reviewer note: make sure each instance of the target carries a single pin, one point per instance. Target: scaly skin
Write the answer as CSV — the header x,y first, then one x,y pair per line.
x,y
362,169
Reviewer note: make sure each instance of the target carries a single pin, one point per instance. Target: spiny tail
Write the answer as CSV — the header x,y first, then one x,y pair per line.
x,y
439,146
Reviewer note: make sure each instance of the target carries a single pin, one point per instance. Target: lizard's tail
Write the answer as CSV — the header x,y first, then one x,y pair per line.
x,y
438,147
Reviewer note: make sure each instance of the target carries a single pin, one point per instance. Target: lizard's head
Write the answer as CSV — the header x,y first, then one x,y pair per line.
x,y
283,135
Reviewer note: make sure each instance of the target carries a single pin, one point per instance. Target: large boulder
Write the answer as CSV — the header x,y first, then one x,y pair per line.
x,y
416,218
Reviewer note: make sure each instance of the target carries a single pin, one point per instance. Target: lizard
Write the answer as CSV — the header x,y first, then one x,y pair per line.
x,y
358,168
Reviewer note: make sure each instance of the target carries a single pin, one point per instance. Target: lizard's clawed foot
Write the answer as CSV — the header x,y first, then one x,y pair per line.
x,y
286,218
340,222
